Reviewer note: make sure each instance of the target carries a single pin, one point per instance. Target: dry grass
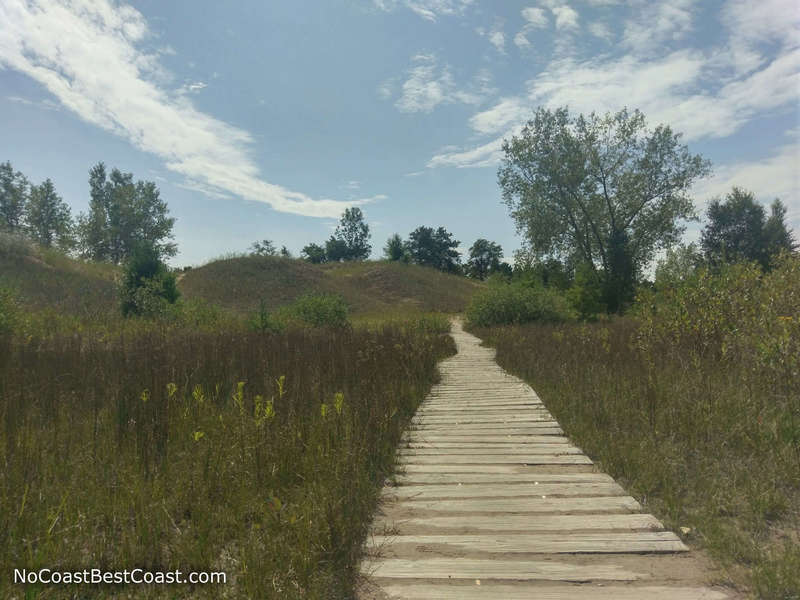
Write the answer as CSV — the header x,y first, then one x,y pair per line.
x,y
260,455
369,288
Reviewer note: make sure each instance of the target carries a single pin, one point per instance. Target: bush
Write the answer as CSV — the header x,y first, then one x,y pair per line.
x,y
148,288
517,303
311,310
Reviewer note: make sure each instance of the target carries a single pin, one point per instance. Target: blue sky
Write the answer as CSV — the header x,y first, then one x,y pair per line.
x,y
266,119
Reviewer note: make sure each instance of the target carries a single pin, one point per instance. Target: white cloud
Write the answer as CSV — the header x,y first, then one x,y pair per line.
x,y
601,30
88,55
498,40
534,16
656,25
192,88
429,85
675,89
566,17
430,10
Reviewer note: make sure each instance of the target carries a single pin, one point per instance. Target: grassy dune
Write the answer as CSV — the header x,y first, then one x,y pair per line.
x,y
369,288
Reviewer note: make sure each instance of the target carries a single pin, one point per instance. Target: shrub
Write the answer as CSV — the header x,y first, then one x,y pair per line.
x,y
316,310
147,285
517,303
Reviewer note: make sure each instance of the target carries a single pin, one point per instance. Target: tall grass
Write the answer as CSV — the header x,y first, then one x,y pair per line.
x,y
257,454
695,404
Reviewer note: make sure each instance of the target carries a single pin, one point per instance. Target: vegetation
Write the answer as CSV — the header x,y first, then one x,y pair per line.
x,y
739,230
350,241
264,248
693,402
485,259
147,285
395,249
517,303
257,454
435,248
240,284
603,189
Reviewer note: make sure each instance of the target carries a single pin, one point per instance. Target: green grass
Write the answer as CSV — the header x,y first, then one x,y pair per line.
x,y
370,288
260,455
695,406
48,281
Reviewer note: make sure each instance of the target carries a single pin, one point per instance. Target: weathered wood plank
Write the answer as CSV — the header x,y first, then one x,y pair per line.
x,y
532,504
451,468
492,429
573,543
423,441
483,589
530,523
477,459
499,478
505,490
554,449
485,569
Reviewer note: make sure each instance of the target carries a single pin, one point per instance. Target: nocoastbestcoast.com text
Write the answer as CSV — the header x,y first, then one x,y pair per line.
x,y
127,576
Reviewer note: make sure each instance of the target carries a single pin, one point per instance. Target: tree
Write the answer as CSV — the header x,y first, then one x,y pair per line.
x,y
285,252
313,253
738,229
395,249
263,248
679,264
13,191
603,187
484,258
48,218
122,215
336,250
353,232
434,248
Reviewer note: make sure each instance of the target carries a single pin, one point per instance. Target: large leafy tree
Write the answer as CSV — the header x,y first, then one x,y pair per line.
x,y
484,258
434,248
13,192
48,217
738,229
123,214
354,234
603,188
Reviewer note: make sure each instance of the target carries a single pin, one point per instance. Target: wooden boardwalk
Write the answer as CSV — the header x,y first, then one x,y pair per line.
x,y
493,501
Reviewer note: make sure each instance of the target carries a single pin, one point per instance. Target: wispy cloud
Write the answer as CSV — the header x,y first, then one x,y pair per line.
x,y
534,18
428,85
45,104
495,35
704,94
91,57
430,10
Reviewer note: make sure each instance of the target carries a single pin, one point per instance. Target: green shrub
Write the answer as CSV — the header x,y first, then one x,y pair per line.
x,y
264,321
148,288
517,303
319,310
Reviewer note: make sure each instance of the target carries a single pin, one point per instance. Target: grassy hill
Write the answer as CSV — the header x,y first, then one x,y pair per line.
x,y
241,283
44,279
47,279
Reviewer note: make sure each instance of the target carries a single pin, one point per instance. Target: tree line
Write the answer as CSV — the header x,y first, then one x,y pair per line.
x,y
123,215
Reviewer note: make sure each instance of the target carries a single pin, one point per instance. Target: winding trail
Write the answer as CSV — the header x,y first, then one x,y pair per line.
x,y
493,501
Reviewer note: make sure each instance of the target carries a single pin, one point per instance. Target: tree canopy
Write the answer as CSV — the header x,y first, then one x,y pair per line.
x,y
434,248
48,217
13,194
484,258
122,215
353,235
603,188
738,229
